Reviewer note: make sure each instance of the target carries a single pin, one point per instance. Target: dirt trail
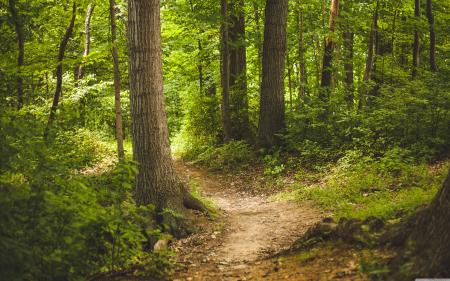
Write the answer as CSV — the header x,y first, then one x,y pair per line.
x,y
250,229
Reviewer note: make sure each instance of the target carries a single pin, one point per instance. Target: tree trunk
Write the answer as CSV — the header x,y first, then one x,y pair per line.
x,y
416,47
371,46
258,39
200,55
303,81
432,236
18,25
348,37
115,57
225,73
59,71
271,117
238,68
156,183
328,52
433,65
87,43
288,62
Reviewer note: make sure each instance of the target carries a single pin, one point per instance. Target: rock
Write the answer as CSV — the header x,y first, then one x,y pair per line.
x,y
328,220
161,245
375,224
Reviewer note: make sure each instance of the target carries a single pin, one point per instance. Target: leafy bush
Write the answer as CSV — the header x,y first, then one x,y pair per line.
x,y
232,155
273,165
60,224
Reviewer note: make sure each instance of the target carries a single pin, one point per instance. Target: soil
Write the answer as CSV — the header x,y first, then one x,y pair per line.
x,y
244,241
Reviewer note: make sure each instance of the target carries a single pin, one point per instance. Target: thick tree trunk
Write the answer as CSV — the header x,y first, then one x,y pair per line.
x,y
225,72
432,236
271,117
303,80
18,25
433,65
328,52
115,57
59,71
238,68
87,43
416,47
371,46
156,183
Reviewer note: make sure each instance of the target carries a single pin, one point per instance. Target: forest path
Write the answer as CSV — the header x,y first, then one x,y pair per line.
x,y
250,229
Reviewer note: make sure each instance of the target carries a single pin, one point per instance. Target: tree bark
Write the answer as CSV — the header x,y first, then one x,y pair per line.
x,y
238,68
115,57
59,71
303,81
87,43
327,63
416,46
432,236
258,40
288,62
371,46
348,37
156,183
18,25
272,105
433,65
225,72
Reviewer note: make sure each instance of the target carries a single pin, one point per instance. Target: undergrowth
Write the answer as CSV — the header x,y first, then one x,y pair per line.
x,y
361,186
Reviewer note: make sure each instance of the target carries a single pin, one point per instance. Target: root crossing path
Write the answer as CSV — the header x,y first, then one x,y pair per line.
x,y
250,230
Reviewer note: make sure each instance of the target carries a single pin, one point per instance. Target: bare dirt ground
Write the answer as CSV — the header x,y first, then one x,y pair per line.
x,y
243,242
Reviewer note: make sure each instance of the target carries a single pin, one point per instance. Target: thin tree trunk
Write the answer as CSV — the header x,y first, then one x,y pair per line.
x,y
156,183
238,68
115,57
348,56
433,65
258,40
303,81
225,73
327,63
271,117
59,71
289,81
18,25
200,65
416,47
87,43
370,50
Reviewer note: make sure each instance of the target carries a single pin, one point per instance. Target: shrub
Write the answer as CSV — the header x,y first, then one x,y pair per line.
x,y
232,155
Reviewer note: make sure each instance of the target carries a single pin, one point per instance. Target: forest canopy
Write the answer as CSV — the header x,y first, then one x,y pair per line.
x,y
343,103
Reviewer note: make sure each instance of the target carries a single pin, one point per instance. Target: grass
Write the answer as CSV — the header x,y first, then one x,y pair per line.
x,y
370,188
210,205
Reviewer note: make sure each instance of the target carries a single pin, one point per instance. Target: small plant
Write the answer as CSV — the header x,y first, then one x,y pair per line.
x,y
232,155
272,165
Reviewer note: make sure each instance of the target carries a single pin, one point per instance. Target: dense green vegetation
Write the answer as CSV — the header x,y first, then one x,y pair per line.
x,y
376,145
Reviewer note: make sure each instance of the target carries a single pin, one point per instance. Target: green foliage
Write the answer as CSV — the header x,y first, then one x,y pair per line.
x,y
58,222
273,166
210,205
360,186
230,156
